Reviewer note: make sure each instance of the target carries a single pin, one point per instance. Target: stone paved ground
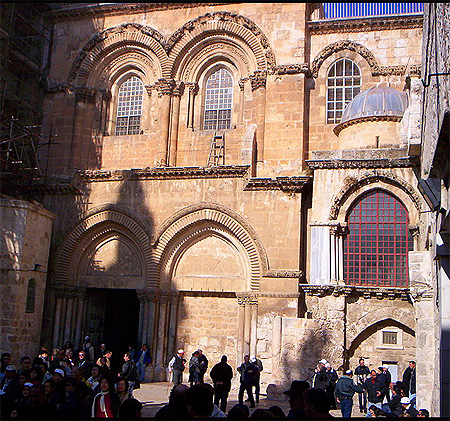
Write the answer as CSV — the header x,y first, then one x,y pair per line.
x,y
154,395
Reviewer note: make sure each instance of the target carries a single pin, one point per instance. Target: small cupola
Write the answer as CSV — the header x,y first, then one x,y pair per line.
x,y
371,119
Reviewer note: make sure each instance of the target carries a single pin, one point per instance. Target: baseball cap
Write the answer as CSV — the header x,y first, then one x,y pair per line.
x,y
59,371
405,400
180,351
10,368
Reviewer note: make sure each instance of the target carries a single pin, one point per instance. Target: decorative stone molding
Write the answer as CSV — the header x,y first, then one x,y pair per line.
x,y
366,292
178,89
360,49
366,24
66,291
189,221
218,49
407,162
193,87
165,86
372,177
107,214
224,22
113,38
290,69
278,273
258,79
341,126
245,298
286,184
85,94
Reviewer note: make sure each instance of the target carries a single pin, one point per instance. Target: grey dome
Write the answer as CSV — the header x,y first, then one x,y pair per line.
x,y
380,101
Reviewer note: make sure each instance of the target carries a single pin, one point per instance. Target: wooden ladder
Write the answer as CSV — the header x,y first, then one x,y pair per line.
x,y
217,151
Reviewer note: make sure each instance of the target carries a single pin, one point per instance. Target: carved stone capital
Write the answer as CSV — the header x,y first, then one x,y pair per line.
x,y
178,90
247,299
165,86
193,88
258,79
85,94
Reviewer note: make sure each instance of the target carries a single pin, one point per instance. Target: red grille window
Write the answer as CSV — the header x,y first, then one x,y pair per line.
x,y
376,249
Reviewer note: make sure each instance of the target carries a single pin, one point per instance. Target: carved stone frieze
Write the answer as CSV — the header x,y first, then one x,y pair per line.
x,y
258,79
379,293
286,184
178,89
165,86
352,184
86,94
164,173
361,163
364,52
290,69
277,273
365,24
246,299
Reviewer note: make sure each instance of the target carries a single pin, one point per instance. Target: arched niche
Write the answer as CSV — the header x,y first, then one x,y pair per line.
x,y
201,221
143,45
101,230
356,187
238,35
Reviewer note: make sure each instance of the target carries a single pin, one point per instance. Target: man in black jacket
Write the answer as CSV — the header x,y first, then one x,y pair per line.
x,y
221,375
361,373
129,372
376,389
409,381
248,371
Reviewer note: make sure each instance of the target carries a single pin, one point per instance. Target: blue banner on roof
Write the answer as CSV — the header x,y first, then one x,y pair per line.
x,y
354,10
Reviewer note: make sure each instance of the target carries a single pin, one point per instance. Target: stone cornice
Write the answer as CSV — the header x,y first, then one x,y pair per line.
x,y
407,162
341,126
55,189
366,24
279,273
379,293
111,9
285,184
164,173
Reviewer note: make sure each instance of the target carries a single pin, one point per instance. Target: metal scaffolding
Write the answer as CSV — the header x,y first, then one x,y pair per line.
x,y
25,39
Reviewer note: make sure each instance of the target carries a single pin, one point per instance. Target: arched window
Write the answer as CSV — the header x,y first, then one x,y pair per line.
x,y
31,296
218,100
376,249
343,84
129,107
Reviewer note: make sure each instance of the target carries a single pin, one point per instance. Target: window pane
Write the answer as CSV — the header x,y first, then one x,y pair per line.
x,y
376,249
129,106
344,78
218,101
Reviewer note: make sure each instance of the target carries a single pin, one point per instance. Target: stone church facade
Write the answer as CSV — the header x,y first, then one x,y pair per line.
x,y
208,194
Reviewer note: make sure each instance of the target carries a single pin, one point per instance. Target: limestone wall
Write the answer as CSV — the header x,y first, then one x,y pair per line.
x,y
25,236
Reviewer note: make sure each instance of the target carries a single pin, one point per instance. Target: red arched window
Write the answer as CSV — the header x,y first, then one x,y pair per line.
x,y
376,249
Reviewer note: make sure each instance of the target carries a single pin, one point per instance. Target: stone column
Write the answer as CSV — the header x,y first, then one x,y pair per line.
x,y
80,317
177,94
174,300
258,81
421,287
241,330
253,324
165,89
57,324
193,90
160,363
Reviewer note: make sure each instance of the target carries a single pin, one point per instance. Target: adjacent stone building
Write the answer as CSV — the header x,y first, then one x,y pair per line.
x,y
241,178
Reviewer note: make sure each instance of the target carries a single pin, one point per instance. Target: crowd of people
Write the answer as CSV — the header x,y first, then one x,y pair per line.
x,y
83,383
71,383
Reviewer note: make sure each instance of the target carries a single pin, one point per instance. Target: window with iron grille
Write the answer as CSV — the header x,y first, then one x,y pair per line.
x,y
343,84
31,296
376,248
129,107
218,101
389,338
